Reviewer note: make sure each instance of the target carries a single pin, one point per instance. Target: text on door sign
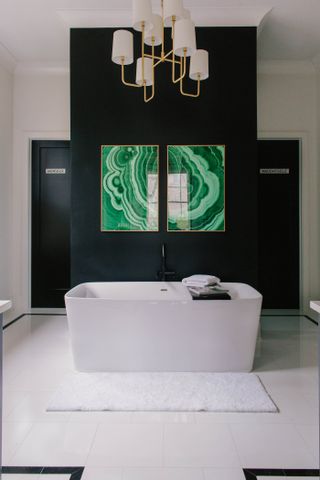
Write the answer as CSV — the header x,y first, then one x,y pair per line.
x,y
55,171
276,171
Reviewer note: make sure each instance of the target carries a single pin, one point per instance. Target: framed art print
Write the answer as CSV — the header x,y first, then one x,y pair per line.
x,y
196,188
129,188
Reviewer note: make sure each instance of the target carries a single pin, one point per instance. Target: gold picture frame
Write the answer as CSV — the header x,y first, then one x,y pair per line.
x,y
206,165
129,201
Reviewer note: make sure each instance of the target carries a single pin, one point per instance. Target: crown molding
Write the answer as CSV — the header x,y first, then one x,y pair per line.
x,y
286,67
202,16
42,68
263,19
7,60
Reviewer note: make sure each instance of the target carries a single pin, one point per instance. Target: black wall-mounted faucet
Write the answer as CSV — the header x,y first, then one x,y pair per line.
x,y
163,272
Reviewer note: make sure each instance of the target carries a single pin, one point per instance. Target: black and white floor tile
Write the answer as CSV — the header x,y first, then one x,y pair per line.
x,y
278,474
75,473
30,473
159,445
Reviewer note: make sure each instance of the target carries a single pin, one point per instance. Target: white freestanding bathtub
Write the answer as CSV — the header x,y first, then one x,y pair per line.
x,y
156,326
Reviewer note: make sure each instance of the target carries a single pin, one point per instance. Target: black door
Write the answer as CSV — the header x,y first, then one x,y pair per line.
x,y
50,277
279,223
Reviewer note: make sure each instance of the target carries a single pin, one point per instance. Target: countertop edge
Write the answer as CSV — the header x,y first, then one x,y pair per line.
x,y
5,305
315,305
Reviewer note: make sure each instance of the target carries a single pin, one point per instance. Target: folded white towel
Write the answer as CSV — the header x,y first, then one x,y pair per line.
x,y
200,280
198,284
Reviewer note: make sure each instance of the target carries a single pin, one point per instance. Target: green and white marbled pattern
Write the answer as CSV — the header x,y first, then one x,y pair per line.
x,y
196,188
129,188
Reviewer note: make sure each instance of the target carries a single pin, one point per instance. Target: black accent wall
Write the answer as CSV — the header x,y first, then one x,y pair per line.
x,y
103,111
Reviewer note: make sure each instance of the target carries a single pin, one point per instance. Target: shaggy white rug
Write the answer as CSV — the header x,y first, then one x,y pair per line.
x,y
212,392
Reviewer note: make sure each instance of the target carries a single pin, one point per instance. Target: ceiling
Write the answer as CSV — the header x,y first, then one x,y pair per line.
x,y
36,31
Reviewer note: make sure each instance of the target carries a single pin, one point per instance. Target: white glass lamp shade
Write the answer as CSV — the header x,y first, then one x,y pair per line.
x,y
155,32
199,65
122,47
142,13
172,8
147,72
186,14
184,38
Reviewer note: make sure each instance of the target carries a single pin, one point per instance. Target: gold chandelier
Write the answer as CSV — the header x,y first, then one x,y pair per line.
x,y
152,28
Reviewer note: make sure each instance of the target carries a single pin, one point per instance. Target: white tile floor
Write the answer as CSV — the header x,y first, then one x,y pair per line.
x,y
159,446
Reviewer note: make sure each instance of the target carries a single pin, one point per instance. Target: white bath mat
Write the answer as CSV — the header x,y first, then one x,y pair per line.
x,y
212,392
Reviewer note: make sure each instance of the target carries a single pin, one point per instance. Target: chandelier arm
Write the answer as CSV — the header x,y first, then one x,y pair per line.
x,y
152,56
163,59
123,79
146,99
160,60
193,95
183,70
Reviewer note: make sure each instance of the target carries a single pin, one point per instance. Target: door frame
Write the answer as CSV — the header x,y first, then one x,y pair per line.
x,y
43,136
304,219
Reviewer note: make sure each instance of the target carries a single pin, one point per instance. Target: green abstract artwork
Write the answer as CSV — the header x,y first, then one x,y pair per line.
x,y
196,188
129,188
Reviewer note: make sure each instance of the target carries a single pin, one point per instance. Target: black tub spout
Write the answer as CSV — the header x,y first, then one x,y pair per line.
x,y
163,273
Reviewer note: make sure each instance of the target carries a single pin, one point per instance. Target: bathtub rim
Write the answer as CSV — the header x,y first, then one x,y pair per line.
x,y
256,295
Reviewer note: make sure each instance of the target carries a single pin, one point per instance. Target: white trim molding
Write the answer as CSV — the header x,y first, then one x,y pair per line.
x,y
42,68
7,60
22,216
30,136
308,237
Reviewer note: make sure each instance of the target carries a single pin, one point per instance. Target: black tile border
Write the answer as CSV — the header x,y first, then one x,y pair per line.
x,y
64,315
47,314
289,315
33,314
21,470
282,315
254,473
13,321
311,319
74,472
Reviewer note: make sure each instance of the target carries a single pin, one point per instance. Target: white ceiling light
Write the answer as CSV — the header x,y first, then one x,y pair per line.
x,y
152,28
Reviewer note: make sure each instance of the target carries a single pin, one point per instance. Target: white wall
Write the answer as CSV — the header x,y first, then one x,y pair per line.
x,y
287,108
41,111
6,99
